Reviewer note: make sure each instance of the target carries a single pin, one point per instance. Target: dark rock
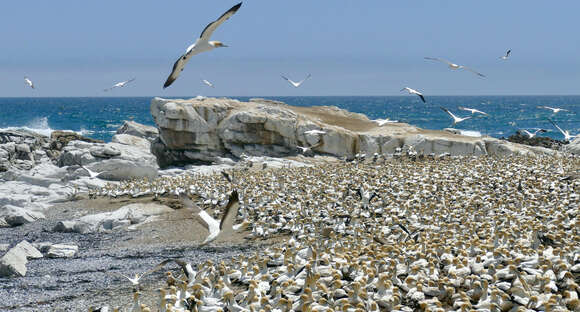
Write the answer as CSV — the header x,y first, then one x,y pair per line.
x,y
546,142
60,139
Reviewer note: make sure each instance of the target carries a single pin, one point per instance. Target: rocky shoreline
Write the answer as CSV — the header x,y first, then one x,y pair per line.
x,y
59,235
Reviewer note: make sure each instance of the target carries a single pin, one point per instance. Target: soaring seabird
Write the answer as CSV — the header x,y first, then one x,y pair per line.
x,y
119,84
507,54
567,136
455,118
472,110
296,84
137,278
209,84
453,65
413,91
308,149
215,228
202,44
530,134
29,82
382,122
554,110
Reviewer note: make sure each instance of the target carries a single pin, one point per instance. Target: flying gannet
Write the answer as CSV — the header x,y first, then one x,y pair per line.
x,y
215,228
308,149
382,122
296,84
119,84
554,110
507,54
472,110
202,44
453,65
567,136
29,82
413,91
532,135
136,280
209,84
455,118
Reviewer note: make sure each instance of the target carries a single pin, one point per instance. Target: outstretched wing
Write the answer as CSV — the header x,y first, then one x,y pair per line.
x,y
227,176
473,71
211,27
301,81
421,96
560,129
231,212
295,84
448,112
177,69
188,203
439,60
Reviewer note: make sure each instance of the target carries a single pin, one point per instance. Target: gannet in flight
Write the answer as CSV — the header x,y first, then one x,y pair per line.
x,y
119,84
314,131
215,228
309,148
532,135
296,84
209,84
455,118
507,54
137,278
202,44
567,135
472,110
382,122
29,82
413,91
554,110
453,65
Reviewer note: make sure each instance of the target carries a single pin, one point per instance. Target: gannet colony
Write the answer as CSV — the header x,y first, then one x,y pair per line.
x,y
398,233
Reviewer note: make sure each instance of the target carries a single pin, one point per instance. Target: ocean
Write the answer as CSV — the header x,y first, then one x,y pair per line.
x,y
100,117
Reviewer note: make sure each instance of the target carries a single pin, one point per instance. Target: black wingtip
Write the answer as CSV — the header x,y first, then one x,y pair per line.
x,y
168,82
234,195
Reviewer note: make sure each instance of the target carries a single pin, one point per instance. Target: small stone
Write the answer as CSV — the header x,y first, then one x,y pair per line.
x,y
28,250
62,251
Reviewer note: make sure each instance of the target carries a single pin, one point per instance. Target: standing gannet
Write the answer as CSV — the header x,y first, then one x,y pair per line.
x,y
202,44
567,136
554,110
472,110
455,118
29,82
296,84
413,91
119,84
507,54
453,65
209,84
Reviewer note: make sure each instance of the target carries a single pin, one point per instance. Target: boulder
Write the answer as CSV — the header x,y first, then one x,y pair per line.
x,y
573,147
16,216
4,247
128,139
62,251
60,139
13,263
29,251
202,131
138,130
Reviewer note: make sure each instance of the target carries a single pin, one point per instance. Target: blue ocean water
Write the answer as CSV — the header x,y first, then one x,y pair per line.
x,y
99,117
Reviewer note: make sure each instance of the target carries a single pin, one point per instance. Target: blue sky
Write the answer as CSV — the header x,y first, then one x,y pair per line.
x,y
374,47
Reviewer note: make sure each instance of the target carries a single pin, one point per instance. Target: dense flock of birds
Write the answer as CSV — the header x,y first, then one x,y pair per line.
x,y
402,233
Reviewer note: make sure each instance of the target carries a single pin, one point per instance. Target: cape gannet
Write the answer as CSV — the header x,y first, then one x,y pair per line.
x,y
136,280
207,83
554,110
472,110
382,122
453,65
202,44
530,134
413,91
296,84
455,118
308,149
567,135
507,54
119,84
29,82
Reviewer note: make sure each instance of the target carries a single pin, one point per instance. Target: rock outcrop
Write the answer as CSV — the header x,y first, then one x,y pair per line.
x,y
201,130
573,147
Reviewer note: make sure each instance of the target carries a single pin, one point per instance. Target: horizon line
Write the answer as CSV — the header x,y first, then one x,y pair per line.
x,y
258,96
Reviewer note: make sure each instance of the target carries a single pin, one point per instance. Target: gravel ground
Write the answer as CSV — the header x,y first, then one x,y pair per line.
x,y
76,284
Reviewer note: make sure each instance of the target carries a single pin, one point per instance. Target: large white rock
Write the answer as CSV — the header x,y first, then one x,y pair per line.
x,y
205,130
29,251
138,130
62,251
573,147
128,139
13,263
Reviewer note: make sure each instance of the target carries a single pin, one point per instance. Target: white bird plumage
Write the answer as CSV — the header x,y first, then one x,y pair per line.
x,y
202,44
296,84
119,84
554,110
533,134
29,82
472,110
453,65
455,118
507,54
314,132
567,136
413,91
206,82
382,122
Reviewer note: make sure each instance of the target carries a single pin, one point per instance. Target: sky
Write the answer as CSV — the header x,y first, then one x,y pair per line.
x,y
372,47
